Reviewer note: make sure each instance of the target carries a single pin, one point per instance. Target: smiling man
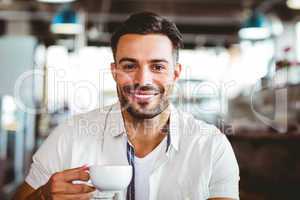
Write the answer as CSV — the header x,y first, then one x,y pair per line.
x,y
174,156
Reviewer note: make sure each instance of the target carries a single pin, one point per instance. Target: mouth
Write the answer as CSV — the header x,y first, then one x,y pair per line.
x,y
140,96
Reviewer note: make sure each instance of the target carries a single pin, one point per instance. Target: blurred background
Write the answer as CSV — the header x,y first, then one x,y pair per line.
x,y
241,72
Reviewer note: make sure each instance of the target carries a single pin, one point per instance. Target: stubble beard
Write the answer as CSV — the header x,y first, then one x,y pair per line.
x,y
137,113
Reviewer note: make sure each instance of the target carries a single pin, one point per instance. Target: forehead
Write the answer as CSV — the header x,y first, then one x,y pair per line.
x,y
144,47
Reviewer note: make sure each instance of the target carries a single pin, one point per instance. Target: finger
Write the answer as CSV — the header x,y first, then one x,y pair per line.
x,y
84,196
76,175
69,188
81,188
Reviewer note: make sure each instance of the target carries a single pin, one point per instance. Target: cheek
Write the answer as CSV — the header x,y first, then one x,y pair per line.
x,y
165,82
123,79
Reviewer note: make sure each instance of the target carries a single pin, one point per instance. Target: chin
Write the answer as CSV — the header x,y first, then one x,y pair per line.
x,y
138,114
147,111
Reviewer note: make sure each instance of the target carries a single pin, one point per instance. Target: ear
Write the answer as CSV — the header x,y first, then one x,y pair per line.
x,y
177,71
113,68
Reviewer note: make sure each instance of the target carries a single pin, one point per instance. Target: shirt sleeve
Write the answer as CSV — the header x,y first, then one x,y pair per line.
x,y
49,158
225,178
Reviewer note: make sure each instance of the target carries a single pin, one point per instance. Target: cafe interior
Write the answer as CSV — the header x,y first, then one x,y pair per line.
x,y
241,72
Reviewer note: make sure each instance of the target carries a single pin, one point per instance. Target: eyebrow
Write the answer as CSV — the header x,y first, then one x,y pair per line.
x,y
127,59
135,60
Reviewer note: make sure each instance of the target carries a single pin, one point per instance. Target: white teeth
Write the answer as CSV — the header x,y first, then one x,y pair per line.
x,y
143,96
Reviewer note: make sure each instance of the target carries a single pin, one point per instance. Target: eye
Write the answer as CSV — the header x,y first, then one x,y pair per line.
x,y
158,67
128,67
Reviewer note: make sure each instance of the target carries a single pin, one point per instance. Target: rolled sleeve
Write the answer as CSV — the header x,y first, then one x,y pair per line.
x,y
49,158
37,176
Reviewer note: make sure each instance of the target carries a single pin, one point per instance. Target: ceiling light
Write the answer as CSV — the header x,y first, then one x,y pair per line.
x,y
66,22
255,27
293,4
55,1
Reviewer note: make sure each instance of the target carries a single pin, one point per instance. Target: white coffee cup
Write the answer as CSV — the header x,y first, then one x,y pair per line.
x,y
110,177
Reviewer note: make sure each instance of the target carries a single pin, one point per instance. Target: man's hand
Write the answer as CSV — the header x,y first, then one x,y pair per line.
x,y
60,187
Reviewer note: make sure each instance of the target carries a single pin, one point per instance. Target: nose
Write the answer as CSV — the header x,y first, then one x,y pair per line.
x,y
144,76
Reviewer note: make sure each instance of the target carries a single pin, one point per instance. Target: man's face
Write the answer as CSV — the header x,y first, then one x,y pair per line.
x,y
145,72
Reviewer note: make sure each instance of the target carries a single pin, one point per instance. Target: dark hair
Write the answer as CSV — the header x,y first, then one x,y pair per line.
x,y
148,23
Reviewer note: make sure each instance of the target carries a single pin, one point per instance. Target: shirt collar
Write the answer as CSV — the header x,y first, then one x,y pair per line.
x,y
115,124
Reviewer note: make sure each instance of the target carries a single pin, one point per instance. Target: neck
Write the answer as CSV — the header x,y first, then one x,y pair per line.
x,y
146,134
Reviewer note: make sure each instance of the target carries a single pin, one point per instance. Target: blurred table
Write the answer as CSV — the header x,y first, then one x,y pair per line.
x,y
269,164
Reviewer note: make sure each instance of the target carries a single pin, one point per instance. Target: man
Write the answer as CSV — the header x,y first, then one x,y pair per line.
x,y
174,156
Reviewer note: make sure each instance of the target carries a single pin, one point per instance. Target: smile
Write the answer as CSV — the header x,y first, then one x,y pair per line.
x,y
143,96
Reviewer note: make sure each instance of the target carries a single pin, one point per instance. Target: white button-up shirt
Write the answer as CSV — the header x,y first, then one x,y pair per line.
x,y
199,164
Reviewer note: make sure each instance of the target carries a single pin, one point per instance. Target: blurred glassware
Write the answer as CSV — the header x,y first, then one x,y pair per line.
x,y
287,70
